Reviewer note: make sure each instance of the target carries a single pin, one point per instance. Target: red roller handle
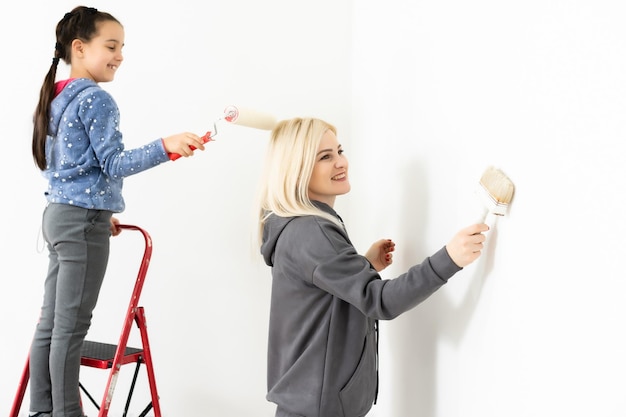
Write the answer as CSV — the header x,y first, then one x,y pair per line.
x,y
206,138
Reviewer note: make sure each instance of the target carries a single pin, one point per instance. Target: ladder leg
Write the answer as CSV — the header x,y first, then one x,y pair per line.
x,y
21,390
140,318
108,392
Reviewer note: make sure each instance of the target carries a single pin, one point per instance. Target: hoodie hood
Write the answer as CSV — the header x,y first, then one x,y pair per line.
x,y
274,226
62,101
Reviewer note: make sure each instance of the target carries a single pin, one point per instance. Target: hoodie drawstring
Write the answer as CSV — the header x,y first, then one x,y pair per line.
x,y
376,334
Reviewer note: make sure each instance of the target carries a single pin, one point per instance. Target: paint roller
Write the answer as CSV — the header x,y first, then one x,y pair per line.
x,y
238,116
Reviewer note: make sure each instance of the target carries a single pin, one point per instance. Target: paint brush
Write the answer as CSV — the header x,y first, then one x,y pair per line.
x,y
496,192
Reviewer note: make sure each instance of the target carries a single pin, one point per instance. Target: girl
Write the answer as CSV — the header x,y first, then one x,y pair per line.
x,y
78,146
327,299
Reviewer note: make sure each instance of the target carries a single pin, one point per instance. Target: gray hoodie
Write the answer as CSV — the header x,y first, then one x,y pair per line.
x,y
326,300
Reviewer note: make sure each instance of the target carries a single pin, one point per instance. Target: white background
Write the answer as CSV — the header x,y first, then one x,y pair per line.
x,y
425,96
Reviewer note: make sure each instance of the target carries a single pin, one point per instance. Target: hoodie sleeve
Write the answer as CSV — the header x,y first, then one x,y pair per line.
x,y
331,263
101,117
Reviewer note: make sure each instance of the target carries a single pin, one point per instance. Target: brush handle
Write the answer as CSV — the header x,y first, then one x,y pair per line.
x,y
490,219
206,138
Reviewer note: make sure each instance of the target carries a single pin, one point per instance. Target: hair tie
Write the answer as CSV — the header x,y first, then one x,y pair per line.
x,y
55,60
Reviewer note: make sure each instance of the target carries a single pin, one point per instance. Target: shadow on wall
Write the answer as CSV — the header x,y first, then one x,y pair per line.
x,y
417,333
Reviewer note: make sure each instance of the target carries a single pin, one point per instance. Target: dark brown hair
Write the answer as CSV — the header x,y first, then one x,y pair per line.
x,y
80,23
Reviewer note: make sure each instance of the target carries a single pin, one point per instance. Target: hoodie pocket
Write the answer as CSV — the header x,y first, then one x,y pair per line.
x,y
357,396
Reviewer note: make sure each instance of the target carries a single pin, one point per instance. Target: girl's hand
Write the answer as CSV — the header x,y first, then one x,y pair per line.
x,y
379,254
466,245
114,229
183,144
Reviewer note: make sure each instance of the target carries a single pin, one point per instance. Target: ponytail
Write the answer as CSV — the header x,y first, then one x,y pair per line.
x,y
42,115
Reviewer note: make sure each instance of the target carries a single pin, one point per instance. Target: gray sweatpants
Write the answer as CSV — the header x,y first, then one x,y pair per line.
x,y
78,245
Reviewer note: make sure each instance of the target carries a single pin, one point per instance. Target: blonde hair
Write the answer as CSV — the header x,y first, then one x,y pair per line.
x,y
289,163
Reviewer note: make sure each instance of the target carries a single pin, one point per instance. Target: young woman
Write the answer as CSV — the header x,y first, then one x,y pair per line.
x,y
78,146
326,298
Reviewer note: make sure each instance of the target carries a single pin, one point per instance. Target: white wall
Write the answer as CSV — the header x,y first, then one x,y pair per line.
x,y
441,91
425,96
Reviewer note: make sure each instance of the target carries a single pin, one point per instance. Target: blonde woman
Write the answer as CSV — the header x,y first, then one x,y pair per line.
x,y
326,298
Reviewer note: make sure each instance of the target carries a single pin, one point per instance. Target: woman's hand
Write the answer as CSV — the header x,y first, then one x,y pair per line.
x,y
379,254
466,246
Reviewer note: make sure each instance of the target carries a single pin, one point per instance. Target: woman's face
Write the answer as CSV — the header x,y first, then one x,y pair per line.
x,y
330,172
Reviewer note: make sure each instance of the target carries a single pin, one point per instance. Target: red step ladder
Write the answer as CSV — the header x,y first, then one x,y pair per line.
x,y
113,357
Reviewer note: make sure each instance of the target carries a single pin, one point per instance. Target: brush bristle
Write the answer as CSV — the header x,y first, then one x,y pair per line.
x,y
498,185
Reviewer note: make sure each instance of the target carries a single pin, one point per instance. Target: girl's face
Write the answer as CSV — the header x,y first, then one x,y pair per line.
x,y
330,172
102,56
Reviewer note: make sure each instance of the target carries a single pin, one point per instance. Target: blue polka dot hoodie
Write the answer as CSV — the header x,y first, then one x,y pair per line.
x,y
86,159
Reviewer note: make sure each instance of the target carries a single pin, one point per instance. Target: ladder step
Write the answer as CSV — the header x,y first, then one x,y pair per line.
x,y
101,355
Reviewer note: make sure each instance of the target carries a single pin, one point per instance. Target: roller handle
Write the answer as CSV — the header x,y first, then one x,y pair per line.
x,y
206,138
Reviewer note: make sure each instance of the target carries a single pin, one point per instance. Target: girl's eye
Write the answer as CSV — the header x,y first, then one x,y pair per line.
x,y
341,151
